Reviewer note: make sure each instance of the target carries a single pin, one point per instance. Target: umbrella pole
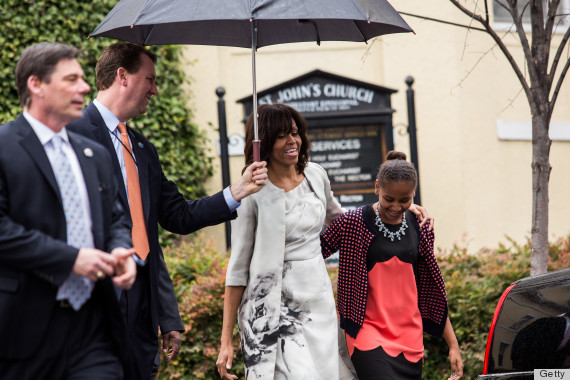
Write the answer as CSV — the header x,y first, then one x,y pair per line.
x,y
256,142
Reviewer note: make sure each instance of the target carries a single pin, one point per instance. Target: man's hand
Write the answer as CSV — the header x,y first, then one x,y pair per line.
x,y
125,268
422,214
93,264
252,180
171,344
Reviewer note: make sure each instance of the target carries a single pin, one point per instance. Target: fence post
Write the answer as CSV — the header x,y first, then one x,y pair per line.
x,y
412,133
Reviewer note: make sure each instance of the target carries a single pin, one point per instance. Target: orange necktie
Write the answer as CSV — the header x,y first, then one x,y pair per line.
x,y
140,238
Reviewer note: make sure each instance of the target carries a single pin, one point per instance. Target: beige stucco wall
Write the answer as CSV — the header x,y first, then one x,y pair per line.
x,y
477,187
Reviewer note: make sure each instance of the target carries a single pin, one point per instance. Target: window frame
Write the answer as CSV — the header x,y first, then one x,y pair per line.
x,y
504,25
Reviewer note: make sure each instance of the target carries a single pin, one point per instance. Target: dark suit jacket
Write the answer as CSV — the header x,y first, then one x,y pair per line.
x,y
162,203
34,257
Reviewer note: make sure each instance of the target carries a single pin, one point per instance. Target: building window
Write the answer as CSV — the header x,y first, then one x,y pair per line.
x,y
504,21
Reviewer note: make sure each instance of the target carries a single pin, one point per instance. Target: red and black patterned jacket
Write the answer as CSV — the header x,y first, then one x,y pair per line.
x,y
350,235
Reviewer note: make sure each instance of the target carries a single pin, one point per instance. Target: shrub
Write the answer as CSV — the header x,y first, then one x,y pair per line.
x,y
198,273
474,285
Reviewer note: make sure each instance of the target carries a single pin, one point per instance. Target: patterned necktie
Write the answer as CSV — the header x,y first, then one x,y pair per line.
x,y
75,289
140,238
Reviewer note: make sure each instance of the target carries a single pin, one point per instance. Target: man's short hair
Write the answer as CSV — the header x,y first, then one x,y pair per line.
x,y
121,54
40,60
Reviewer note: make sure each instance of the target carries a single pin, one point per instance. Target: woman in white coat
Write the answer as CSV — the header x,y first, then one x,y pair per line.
x,y
277,283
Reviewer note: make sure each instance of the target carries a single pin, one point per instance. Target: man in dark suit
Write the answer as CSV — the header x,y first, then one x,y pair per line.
x,y
125,78
60,215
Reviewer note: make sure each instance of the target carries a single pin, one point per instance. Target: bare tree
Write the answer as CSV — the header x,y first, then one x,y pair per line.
x,y
541,87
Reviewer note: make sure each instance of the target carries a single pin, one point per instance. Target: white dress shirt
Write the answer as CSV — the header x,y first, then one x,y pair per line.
x,y
45,135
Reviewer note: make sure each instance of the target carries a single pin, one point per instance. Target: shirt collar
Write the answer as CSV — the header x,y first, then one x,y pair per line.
x,y
111,121
44,133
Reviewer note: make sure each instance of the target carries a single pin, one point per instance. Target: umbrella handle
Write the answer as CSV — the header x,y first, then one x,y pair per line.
x,y
256,157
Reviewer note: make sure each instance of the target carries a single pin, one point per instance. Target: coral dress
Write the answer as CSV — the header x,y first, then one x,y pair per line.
x,y
392,332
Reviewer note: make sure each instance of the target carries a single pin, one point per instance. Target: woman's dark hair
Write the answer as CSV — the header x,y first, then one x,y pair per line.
x,y
396,169
273,120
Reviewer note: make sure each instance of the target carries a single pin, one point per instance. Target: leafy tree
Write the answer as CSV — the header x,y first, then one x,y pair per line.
x,y
541,87
168,124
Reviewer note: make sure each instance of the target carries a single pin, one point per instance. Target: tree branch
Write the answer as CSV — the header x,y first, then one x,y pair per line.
x,y
472,15
501,45
517,19
474,66
511,101
540,47
550,17
442,21
558,55
559,84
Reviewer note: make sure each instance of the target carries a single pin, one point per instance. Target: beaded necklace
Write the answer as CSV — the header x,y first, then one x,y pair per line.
x,y
387,233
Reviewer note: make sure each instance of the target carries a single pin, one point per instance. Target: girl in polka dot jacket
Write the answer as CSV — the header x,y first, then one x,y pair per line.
x,y
390,288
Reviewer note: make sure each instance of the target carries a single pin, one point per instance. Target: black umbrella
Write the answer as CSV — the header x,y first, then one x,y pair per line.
x,y
249,23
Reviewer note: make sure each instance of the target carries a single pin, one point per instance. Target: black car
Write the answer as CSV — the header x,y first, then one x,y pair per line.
x,y
530,329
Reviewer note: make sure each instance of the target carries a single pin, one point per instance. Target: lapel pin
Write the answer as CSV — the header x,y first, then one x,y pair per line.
x,y
88,152
141,145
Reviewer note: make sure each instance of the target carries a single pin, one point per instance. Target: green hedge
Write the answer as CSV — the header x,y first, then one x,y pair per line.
x,y
474,284
168,124
198,274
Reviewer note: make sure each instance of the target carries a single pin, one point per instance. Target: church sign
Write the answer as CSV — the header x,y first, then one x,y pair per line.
x,y
349,125
320,96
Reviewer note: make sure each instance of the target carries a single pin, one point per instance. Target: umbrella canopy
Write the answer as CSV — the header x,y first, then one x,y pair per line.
x,y
249,23
229,22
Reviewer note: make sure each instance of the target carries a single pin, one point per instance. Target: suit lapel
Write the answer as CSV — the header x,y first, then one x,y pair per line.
x,y
31,144
142,166
101,133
